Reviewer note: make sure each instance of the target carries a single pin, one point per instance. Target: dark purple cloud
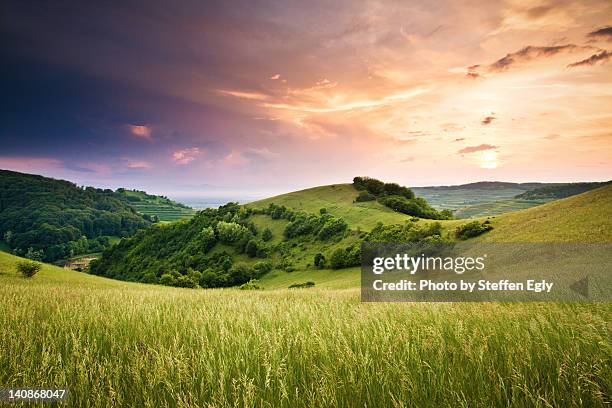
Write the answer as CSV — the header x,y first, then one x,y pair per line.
x,y
522,56
599,58
604,33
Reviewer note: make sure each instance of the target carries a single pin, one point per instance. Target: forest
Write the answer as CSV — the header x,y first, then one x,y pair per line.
x,y
47,219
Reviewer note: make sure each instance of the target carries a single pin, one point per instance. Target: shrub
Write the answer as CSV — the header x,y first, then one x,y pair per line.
x,y
266,235
308,284
319,261
322,211
28,268
364,196
338,259
251,248
472,229
250,285
167,279
332,227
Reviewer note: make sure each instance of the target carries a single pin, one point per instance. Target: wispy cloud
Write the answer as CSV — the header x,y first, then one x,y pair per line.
x,y
479,148
186,156
244,94
354,105
138,164
523,56
600,58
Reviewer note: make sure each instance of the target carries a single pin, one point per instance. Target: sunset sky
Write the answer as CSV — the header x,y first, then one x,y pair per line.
x,y
259,97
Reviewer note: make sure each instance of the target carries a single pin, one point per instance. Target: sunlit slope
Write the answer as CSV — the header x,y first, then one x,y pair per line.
x,y
115,343
585,217
51,275
338,200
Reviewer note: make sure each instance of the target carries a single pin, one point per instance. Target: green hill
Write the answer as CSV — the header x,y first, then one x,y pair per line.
x,y
559,190
582,218
339,201
157,207
50,219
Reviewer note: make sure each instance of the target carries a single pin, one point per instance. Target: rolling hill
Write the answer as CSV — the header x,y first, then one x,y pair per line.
x,y
338,200
582,218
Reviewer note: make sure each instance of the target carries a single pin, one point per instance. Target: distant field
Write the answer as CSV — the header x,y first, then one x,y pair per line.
x,y
115,343
474,203
497,207
164,208
455,198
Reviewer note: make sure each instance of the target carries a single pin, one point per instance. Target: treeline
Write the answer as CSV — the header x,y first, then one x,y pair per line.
x,y
398,198
47,219
179,254
322,225
557,191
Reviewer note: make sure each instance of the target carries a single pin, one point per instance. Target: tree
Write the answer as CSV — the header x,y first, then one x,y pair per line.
x,y
266,235
251,248
35,255
338,259
230,232
8,237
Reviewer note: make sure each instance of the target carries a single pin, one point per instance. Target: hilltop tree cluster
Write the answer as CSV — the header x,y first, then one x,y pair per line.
x,y
398,198
323,226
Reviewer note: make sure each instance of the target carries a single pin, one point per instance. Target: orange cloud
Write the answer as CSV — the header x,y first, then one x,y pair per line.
x,y
141,131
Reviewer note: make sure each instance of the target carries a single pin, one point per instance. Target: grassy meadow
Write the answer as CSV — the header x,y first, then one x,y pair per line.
x,y
124,344
115,343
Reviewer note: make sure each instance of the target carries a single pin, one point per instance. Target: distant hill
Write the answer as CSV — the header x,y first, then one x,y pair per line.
x,y
586,217
48,219
556,191
159,208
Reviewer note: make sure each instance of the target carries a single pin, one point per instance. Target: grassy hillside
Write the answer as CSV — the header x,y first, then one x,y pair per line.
x,y
338,199
160,207
582,218
115,343
471,201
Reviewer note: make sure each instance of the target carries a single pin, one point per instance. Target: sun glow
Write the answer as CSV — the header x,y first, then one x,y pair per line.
x,y
489,160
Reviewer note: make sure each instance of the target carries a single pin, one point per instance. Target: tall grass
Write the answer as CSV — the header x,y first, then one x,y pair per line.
x,y
121,344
